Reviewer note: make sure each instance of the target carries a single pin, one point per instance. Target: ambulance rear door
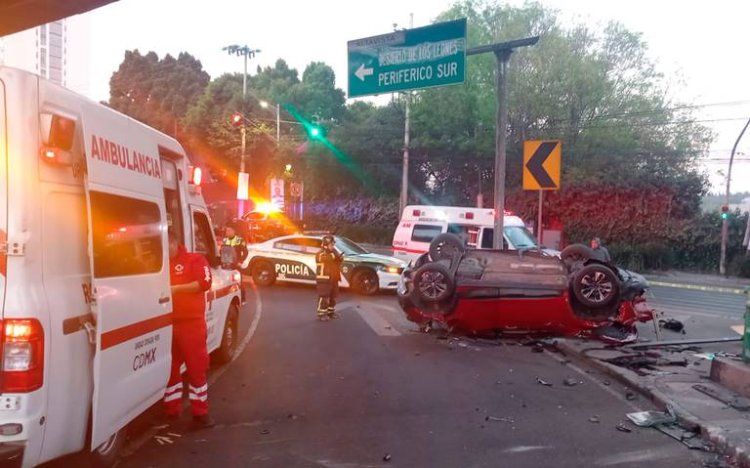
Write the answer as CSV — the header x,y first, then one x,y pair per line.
x,y
130,294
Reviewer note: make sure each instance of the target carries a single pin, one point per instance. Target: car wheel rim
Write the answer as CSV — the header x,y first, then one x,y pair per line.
x,y
366,283
264,275
433,285
596,287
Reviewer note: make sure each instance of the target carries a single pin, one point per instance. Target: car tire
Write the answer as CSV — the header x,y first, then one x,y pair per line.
x,y
596,286
433,283
365,282
226,349
576,255
263,274
445,246
107,454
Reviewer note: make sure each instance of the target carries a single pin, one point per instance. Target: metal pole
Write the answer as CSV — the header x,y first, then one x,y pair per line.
x,y
539,230
278,125
404,200
501,125
243,132
746,241
725,222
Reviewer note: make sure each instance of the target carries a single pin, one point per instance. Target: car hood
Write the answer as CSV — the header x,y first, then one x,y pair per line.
x,y
377,258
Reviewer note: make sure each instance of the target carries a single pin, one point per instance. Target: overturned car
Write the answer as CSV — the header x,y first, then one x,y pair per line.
x,y
524,292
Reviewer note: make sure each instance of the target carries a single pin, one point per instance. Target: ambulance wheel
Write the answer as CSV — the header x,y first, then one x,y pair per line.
x,y
366,282
445,246
228,345
263,274
107,454
596,286
433,283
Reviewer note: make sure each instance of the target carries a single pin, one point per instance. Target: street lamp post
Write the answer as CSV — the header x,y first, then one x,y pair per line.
x,y
725,221
245,52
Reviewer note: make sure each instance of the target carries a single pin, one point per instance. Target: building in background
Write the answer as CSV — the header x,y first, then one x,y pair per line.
x,y
58,51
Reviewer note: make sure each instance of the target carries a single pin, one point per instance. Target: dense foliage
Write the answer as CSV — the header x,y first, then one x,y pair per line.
x,y
630,154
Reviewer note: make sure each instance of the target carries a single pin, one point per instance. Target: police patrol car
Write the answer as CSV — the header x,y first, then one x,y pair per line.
x,y
292,258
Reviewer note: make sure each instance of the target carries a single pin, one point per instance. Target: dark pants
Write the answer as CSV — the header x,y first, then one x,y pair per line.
x,y
327,292
189,347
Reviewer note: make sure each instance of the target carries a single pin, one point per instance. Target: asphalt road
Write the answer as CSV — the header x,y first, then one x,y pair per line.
x,y
705,314
368,387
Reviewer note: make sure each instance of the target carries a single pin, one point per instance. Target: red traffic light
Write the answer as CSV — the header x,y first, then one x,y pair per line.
x,y
237,119
724,208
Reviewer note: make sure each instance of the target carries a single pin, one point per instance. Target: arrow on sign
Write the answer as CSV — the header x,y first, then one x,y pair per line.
x,y
363,72
535,165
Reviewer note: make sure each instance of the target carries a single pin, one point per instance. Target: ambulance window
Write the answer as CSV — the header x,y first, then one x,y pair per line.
x,y
127,236
425,232
487,234
204,239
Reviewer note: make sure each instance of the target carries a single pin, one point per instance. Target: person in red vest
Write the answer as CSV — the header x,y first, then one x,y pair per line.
x,y
190,277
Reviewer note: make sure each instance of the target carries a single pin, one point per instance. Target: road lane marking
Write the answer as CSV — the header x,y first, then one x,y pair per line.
x,y
372,318
740,329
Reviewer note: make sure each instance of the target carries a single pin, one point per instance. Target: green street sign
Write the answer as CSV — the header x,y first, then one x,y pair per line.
x,y
417,58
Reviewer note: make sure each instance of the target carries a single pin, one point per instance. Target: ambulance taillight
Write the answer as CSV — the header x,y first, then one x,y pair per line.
x,y
196,175
23,355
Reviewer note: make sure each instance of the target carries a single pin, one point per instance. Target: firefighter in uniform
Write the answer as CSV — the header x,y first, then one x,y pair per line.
x,y
328,265
190,277
237,243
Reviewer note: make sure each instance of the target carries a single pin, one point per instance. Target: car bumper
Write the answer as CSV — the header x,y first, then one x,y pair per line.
x,y
388,281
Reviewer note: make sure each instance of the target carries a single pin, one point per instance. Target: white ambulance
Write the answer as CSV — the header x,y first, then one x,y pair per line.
x,y
420,224
87,197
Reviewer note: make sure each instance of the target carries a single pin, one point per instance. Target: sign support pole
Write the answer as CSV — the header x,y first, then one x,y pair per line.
x,y
502,53
539,230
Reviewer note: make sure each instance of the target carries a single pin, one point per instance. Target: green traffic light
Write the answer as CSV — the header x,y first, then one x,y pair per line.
x,y
315,132
725,216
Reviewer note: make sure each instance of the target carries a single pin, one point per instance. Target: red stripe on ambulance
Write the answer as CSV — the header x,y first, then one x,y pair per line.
x,y
134,330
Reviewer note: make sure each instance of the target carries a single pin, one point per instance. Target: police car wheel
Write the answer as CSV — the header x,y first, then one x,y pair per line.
x,y
433,283
366,282
445,246
263,274
596,285
106,454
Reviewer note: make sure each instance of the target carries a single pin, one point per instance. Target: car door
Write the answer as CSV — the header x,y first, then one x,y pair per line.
x,y
130,293
296,259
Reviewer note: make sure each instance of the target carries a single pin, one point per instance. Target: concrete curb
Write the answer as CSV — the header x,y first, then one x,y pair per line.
x,y
713,434
696,287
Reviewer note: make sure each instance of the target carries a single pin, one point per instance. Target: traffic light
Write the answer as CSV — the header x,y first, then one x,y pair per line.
x,y
724,212
236,119
315,132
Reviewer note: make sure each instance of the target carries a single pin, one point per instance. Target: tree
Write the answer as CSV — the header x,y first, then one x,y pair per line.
x,y
157,91
597,91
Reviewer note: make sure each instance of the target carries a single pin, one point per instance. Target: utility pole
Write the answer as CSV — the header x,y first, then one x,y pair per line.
x,y
725,220
404,199
502,52
246,53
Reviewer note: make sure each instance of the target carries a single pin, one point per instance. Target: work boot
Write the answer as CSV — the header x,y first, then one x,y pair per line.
x,y
331,312
203,421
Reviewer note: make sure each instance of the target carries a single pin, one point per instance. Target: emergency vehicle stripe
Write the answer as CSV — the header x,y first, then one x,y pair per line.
x,y
404,249
134,330
225,291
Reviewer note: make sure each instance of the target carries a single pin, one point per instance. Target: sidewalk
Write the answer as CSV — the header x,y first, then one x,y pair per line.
x,y
671,381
